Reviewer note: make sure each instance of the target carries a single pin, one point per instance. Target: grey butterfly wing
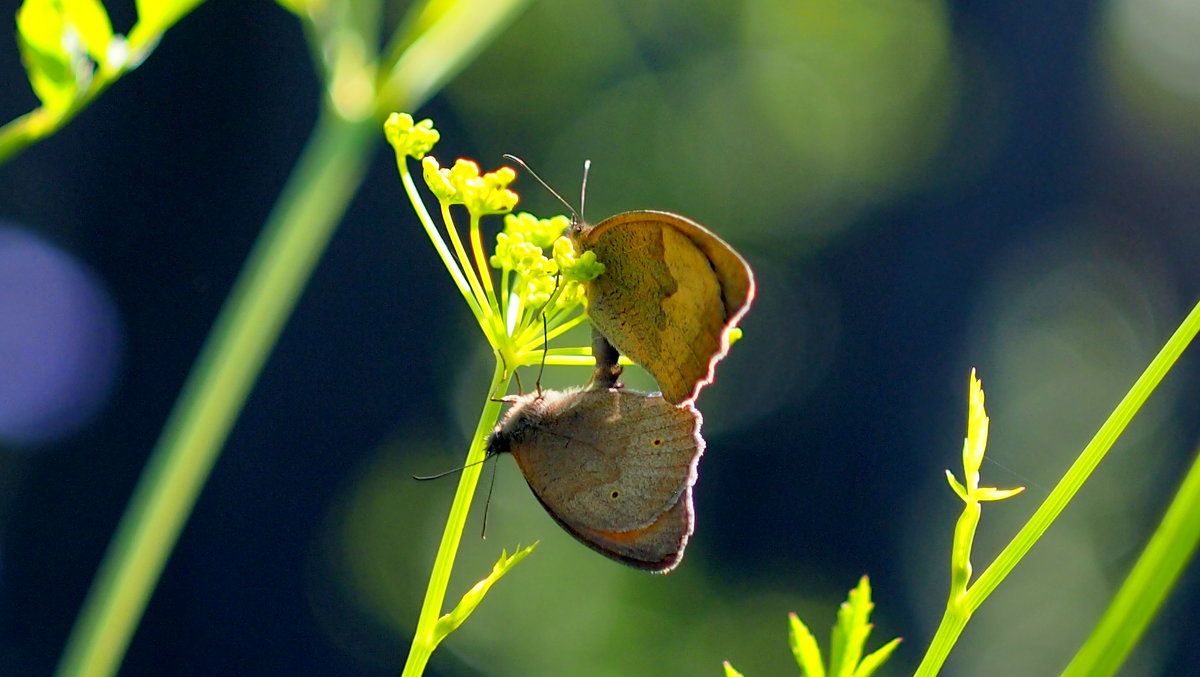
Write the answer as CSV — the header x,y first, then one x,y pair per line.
x,y
613,459
615,468
657,547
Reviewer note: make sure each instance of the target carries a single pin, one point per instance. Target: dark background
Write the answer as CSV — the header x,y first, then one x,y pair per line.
x,y
921,188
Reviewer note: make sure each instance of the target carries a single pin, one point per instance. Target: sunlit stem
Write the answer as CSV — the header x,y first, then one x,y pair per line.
x,y
487,319
1088,459
957,612
580,356
481,264
1147,586
439,244
513,312
531,332
508,299
960,558
962,606
425,638
532,340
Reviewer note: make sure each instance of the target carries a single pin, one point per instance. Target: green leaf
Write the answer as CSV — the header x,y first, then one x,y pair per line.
x,y
40,25
43,38
450,622
297,7
871,663
155,17
730,672
90,20
804,647
958,488
994,494
853,628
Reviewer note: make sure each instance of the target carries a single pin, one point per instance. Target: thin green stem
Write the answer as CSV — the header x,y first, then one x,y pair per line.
x,y
955,618
293,239
533,338
1170,549
959,611
952,625
38,123
1091,456
425,639
439,244
481,263
486,319
452,33
505,296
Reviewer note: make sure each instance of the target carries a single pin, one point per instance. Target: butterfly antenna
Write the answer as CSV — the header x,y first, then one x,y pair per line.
x,y
587,166
546,335
504,380
426,478
504,364
488,504
545,185
545,349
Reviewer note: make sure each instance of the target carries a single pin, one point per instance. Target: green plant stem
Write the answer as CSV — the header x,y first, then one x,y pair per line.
x,y
40,122
449,34
1091,456
22,131
957,614
295,235
425,639
1170,549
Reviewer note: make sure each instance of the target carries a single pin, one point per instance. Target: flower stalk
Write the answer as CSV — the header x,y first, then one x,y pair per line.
x,y
536,298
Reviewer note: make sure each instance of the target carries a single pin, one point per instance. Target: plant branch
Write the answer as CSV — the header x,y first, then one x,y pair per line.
x,y
425,639
295,235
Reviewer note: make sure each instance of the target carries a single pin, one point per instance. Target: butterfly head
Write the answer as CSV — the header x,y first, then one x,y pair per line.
x,y
524,415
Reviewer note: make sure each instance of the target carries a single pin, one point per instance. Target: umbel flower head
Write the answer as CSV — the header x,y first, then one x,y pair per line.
x,y
463,184
537,293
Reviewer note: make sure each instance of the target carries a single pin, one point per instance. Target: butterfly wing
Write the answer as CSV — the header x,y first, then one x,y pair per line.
x,y
657,547
615,469
670,294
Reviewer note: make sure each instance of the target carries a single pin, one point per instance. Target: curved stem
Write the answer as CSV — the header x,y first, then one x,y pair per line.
x,y
263,296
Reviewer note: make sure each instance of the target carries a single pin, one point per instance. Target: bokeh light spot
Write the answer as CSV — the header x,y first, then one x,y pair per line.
x,y
59,341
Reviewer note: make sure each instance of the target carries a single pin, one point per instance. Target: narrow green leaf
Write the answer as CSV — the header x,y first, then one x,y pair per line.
x,y
837,647
871,663
450,622
804,647
958,488
994,494
729,671
854,628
